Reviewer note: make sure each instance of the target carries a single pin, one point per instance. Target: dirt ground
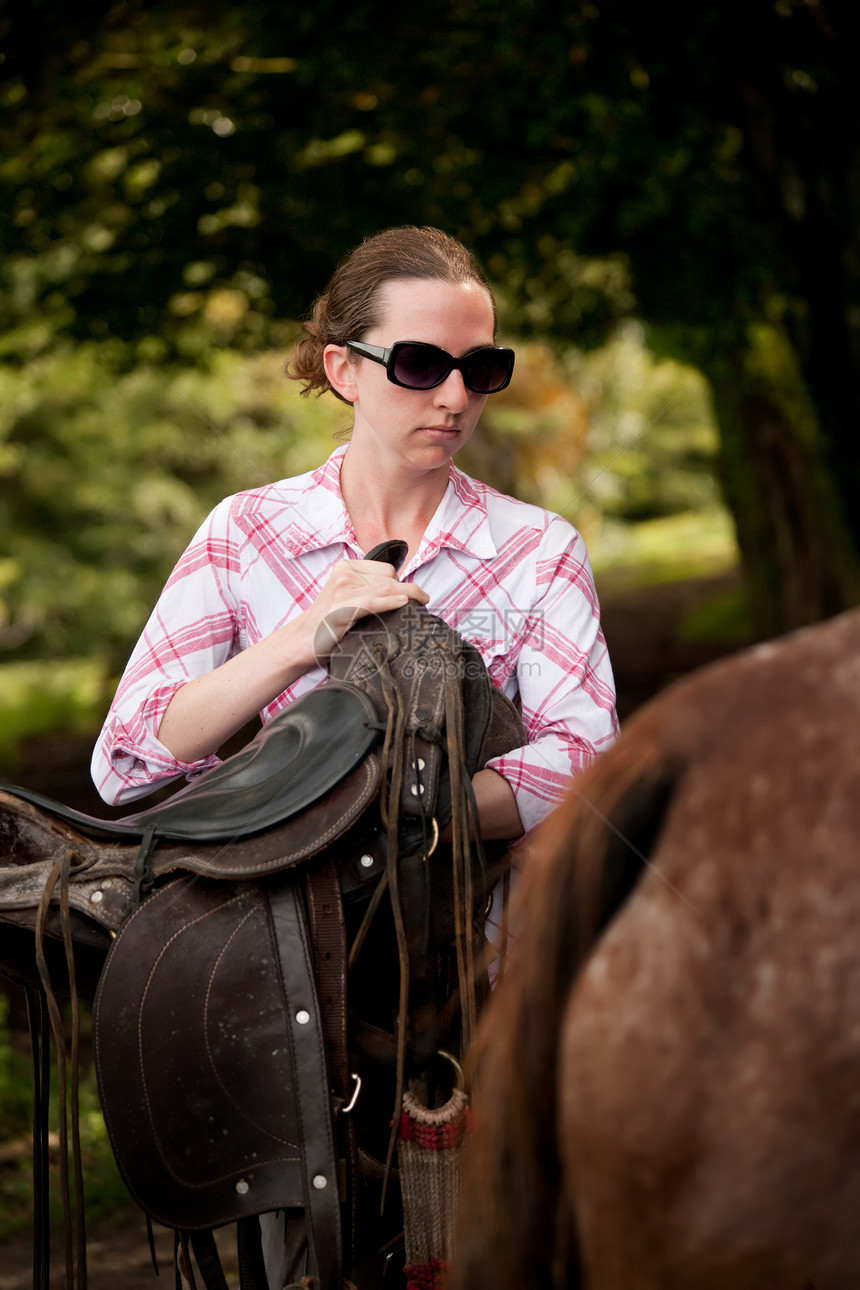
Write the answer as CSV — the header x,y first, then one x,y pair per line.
x,y
118,1258
641,632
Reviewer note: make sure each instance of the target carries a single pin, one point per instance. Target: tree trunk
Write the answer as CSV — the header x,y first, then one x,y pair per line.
x,y
799,561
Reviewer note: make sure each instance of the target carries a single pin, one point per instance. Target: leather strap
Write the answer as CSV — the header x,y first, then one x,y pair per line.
x,y
311,1085
249,1248
208,1260
37,1018
328,936
74,1224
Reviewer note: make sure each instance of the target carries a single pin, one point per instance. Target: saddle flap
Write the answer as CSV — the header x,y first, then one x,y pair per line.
x,y
196,1057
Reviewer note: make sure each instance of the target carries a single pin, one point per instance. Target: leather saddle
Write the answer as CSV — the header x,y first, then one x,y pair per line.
x,y
300,756
213,1041
212,1066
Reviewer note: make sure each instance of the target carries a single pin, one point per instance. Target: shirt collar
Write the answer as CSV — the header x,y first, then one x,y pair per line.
x,y
320,518
461,521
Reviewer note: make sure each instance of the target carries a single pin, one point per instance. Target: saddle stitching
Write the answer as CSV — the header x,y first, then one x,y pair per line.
x,y
186,1182
213,1067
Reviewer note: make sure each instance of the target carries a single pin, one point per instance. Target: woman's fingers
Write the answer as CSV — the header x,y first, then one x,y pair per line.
x,y
354,589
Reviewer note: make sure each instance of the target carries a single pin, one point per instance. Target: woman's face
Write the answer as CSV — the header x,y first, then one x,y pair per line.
x,y
417,429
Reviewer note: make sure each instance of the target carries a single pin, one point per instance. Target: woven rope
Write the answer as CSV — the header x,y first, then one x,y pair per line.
x,y
430,1150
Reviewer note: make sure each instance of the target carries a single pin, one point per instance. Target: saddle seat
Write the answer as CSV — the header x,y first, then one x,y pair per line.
x,y
296,759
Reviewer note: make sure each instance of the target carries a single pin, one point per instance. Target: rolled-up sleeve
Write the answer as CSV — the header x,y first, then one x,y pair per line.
x,y
563,677
193,629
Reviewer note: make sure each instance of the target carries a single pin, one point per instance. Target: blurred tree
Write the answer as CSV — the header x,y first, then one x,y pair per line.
x,y
178,174
149,454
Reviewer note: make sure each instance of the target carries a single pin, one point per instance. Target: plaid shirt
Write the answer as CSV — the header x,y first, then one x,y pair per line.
x,y
511,578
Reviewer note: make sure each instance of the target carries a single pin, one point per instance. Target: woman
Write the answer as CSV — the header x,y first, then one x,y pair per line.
x,y
405,333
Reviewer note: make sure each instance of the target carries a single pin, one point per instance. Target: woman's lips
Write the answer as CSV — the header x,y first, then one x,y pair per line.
x,y
440,432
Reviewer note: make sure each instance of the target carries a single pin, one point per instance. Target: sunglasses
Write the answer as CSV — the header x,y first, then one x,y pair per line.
x,y
417,366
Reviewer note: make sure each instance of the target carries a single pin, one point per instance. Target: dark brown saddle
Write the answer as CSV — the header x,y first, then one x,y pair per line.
x,y
297,759
223,1063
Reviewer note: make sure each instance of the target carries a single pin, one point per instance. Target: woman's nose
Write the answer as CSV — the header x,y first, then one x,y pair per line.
x,y
452,393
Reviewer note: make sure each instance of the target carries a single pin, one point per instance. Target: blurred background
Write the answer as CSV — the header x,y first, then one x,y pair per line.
x,y
667,200
668,209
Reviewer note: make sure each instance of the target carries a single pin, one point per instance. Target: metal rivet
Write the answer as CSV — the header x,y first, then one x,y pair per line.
x,y
96,897
320,1181
366,862
243,1187
106,882
420,763
303,1017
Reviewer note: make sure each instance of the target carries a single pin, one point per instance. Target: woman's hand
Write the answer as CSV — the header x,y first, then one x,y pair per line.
x,y
355,589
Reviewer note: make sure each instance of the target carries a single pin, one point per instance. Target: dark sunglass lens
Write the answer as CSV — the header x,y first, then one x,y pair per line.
x,y
486,371
420,367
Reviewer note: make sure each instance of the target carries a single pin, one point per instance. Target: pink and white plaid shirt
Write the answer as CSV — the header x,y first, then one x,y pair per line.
x,y
511,578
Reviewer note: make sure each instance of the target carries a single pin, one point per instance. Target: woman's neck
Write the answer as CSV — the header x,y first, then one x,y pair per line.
x,y
393,504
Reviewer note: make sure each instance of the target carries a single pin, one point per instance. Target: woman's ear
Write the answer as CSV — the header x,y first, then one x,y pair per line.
x,y
340,372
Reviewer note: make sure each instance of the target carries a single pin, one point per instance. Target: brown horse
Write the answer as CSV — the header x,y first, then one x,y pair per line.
x,y
669,1085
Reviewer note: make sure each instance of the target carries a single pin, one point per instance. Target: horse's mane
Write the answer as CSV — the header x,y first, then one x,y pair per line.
x,y
587,859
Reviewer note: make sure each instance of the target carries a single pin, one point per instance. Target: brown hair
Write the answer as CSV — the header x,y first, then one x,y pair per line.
x,y
349,306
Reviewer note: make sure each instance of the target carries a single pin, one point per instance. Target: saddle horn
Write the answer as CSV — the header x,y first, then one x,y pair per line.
x,y
391,552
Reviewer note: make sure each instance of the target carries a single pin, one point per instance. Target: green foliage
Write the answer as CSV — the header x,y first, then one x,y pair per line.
x,y
16,1108
724,617
183,182
153,158
41,696
691,544
653,440
647,495
108,470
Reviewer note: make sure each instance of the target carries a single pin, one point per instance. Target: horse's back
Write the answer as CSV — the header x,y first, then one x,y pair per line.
x,y
710,1063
